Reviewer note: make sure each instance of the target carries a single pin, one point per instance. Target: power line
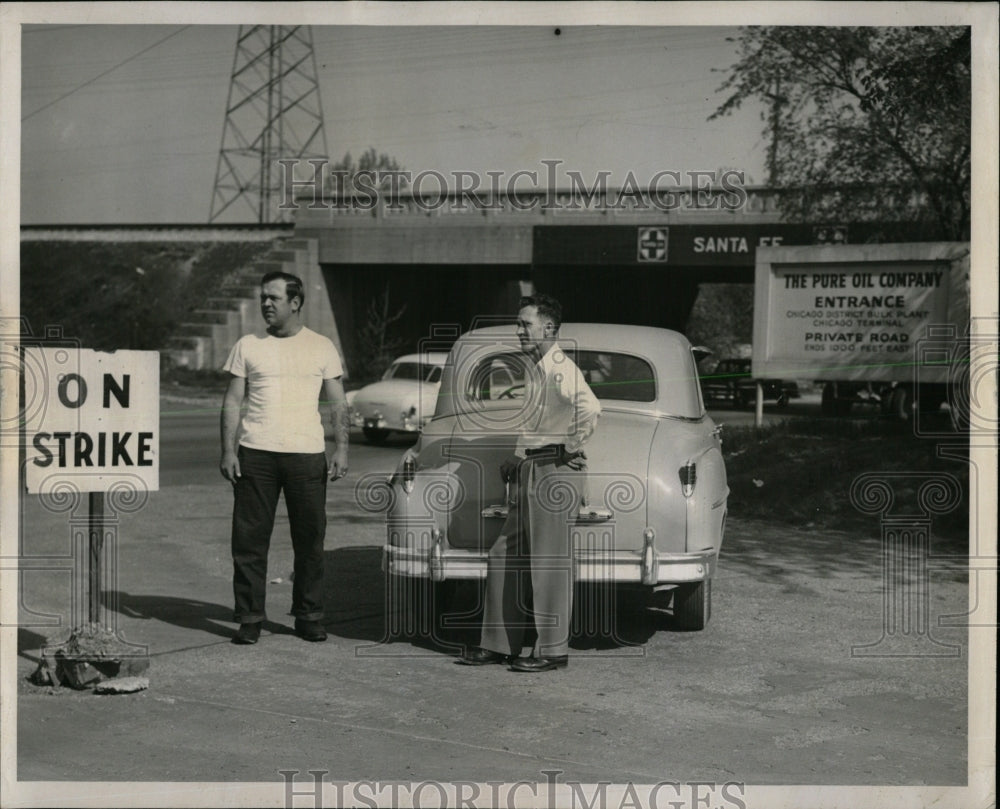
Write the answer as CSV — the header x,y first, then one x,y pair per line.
x,y
104,73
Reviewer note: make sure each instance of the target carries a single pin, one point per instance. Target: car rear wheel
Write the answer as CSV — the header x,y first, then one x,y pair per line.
x,y
374,436
404,614
692,605
415,607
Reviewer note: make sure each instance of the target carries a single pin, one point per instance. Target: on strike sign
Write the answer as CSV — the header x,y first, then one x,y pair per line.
x,y
92,419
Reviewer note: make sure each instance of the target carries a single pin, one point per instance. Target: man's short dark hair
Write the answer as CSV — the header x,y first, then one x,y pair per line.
x,y
547,306
293,285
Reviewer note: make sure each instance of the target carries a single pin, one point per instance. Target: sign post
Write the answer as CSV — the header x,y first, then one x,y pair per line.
x,y
96,547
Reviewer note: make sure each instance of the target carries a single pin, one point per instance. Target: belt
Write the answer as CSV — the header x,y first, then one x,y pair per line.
x,y
548,451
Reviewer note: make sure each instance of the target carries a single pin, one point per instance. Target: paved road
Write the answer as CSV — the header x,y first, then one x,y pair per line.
x,y
189,443
770,693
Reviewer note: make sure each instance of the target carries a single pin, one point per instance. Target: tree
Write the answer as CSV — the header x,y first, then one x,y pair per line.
x,y
370,160
377,347
722,319
863,124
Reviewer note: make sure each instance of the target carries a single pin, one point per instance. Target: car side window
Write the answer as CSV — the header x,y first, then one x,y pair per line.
x,y
434,375
405,370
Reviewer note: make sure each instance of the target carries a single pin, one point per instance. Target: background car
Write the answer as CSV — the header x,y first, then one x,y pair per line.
x,y
402,400
732,381
655,509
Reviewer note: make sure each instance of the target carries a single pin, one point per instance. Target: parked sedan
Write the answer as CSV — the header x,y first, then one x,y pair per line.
x,y
732,381
655,509
402,401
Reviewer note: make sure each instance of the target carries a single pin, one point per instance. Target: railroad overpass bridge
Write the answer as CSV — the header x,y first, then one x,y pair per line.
x,y
450,261
608,260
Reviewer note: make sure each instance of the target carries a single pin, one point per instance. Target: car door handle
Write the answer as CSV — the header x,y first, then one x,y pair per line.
x,y
501,511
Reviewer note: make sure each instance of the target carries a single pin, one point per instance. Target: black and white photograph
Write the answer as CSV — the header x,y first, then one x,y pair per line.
x,y
493,404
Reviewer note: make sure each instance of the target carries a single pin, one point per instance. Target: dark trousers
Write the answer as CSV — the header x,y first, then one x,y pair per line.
x,y
263,476
529,576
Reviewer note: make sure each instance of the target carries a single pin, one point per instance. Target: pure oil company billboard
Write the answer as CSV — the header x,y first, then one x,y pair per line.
x,y
856,312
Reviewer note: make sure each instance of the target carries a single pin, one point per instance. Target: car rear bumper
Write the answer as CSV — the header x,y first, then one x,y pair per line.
x,y
440,563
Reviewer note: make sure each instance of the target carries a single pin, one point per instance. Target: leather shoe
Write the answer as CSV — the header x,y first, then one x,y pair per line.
x,y
311,631
539,663
481,657
247,634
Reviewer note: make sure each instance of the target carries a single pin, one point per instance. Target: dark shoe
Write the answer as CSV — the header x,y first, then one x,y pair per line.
x,y
539,663
481,657
311,631
247,634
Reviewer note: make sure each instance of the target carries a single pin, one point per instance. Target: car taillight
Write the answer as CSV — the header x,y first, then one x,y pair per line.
x,y
409,473
688,478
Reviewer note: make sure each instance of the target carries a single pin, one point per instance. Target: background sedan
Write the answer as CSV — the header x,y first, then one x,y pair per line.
x,y
402,401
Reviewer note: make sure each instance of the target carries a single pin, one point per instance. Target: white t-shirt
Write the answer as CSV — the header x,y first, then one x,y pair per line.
x,y
284,378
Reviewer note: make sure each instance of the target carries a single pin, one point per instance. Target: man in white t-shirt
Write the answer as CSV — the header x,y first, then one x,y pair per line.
x,y
273,442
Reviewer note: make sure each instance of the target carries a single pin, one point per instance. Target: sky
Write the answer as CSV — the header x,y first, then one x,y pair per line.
x,y
123,123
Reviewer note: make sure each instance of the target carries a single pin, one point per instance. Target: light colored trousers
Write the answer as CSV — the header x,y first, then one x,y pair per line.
x,y
529,577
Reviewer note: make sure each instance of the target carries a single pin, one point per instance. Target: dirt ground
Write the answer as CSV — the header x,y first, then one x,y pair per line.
x,y
819,666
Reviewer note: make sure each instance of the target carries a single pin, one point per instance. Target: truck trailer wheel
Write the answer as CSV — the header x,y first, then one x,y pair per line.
x,y
901,403
828,403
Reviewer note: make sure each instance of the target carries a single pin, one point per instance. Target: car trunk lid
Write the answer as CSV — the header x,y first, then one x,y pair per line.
x,y
615,492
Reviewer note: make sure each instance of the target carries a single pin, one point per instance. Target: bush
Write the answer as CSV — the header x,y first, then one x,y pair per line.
x,y
801,471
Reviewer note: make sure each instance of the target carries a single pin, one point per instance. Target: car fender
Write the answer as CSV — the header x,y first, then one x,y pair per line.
x,y
693,522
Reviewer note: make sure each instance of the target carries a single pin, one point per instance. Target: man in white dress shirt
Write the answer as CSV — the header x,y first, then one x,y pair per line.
x,y
529,582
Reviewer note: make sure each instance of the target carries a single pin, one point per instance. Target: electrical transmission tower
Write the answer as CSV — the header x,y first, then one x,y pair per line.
x,y
273,112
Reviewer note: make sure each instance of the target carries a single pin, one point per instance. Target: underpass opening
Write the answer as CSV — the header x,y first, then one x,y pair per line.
x,y
414,304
